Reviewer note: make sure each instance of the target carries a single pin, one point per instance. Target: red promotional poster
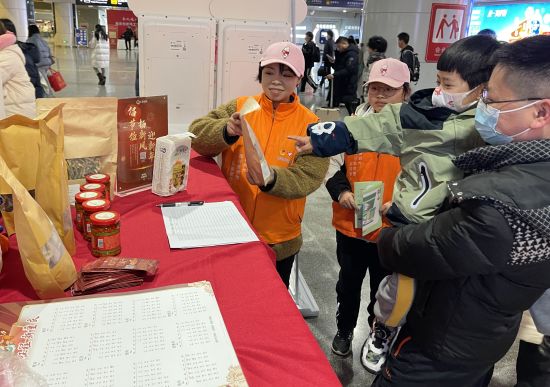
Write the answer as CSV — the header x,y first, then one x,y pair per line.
x,y
447,25
118,21
140,122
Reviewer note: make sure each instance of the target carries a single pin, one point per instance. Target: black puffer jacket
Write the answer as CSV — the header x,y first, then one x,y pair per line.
x,y
484,260
346,68
308,49
32,57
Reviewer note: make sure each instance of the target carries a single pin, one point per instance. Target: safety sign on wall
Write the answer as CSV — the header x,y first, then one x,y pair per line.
x,y
447,25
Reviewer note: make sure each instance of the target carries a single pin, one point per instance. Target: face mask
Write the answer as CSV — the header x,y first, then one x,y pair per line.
x,y
486,123
453,101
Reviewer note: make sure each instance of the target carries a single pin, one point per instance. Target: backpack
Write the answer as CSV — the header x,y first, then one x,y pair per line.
x,y
316,54
415,70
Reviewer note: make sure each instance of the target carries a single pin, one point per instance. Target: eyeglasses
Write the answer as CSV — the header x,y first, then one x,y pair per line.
x,y
487,101
386,91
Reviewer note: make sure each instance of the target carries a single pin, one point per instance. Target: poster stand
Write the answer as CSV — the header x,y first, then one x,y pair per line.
x,y
300,292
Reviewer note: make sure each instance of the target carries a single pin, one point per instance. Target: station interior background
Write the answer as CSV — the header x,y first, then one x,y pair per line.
x,y
67,26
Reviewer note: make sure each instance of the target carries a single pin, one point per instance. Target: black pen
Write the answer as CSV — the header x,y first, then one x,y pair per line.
x,y
181,204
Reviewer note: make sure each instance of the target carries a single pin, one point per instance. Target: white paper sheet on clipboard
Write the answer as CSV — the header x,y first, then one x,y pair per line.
x,y
251,141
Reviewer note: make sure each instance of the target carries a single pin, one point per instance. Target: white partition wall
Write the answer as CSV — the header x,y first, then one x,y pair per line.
x,y
177,59
240,47
177,50
390,17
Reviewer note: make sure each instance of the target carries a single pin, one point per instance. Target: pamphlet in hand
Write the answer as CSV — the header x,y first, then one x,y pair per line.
x,y
255,158
368,197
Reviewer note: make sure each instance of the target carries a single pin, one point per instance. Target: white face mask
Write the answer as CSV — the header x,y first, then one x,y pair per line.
x,y
453,101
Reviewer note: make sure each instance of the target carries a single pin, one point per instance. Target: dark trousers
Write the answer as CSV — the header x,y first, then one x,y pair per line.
x,y
533,364
128,43
408,366
326,68
355,256
307,78
284,267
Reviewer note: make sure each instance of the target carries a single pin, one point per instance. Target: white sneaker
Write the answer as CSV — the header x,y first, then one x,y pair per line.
x,y
376,347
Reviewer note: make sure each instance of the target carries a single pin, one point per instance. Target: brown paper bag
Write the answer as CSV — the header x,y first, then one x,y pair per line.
x,y
25,152
91,137
19,146
52,187
47,264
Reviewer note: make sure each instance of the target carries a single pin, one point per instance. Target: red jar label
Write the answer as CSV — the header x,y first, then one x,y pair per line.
x,y
103,243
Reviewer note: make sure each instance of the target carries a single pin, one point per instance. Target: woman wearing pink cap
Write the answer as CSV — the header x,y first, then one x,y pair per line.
x,y
388,83
276,207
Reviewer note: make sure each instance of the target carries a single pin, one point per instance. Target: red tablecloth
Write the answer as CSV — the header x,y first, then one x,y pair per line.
x,y
273,343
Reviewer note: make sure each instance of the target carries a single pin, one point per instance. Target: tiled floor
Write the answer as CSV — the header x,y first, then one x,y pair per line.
x,y
317,258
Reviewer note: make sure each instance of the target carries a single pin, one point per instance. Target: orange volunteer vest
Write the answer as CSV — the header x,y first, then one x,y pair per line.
x,y
369,166
276,219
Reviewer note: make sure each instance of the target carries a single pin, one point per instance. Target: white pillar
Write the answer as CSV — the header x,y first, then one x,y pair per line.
x,y
16,11
387,18
64,24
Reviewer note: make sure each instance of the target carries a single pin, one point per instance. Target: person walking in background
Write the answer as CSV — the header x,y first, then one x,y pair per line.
x,y
311,52
376,48
363,54
100,53
388,83
46,58
32,57
361,69
128,35
18,91
406,54
329,50
345,74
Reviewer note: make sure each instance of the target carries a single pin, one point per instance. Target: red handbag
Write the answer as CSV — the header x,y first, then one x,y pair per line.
x,y
56,80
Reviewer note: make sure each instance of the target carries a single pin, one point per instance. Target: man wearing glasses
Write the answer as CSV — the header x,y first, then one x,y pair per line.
x,y
486,258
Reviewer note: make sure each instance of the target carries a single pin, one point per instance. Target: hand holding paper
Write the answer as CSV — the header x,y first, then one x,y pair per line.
x,y
347,200
234,127
259,172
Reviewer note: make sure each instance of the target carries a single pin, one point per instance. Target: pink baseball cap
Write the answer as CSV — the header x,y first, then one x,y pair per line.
x,y
286,53
389,71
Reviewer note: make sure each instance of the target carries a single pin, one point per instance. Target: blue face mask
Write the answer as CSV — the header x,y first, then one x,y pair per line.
x,y
486,123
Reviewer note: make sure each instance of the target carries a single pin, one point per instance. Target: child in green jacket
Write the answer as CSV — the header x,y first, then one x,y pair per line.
x,y
426,134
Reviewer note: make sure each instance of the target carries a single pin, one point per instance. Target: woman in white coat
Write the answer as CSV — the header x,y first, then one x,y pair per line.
x,y
17,89
100,53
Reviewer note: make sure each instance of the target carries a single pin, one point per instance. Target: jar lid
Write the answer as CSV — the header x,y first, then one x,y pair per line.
x,y
105,218
98,178
97,187
81,197
96,205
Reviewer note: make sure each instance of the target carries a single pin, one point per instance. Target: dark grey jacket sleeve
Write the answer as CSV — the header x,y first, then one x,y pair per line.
x,y
471,239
